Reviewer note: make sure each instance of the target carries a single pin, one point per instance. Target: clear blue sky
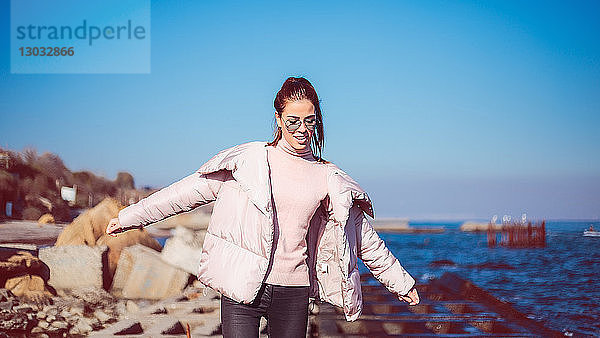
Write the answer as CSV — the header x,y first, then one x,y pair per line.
x,y
445,110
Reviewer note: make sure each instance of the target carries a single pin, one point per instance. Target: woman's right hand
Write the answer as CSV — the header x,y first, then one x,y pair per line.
x,y
412,297
114,227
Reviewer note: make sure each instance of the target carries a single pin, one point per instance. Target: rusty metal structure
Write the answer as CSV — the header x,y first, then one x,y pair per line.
x,y
450,306
518,235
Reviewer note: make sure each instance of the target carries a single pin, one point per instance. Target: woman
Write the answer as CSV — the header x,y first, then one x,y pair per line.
x,y
286,226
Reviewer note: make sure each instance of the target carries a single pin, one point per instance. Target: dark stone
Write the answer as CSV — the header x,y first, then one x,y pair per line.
x,y
442,262
134,328
160,311
199,310
94,297
491,265
6,306
14,321
22,262
6,295
174,329
25,308
88,310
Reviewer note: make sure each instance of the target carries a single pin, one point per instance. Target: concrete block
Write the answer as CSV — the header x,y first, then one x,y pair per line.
x,y
124,266
76,266
184,249
148,276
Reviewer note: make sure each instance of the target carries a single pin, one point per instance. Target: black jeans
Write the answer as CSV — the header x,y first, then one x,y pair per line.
x,y
284,307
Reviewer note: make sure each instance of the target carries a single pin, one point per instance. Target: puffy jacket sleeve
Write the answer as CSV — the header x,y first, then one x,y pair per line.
x,y
184,195
380,261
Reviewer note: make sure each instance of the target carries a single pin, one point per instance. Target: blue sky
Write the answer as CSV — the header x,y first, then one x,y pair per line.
x,y
440,110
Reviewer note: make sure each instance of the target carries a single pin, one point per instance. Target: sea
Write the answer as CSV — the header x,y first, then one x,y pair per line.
x,y
558,285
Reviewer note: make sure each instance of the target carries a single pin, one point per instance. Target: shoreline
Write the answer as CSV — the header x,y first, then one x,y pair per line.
x,y
32,232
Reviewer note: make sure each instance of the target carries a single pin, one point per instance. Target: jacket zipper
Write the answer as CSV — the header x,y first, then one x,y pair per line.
x,y
271,225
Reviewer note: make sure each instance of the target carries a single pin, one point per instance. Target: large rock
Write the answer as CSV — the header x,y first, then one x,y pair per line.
x,y
46,219
124,240
31,287
17,262
142,274
184,249
121,275
76,266
24,274
90,225
89,228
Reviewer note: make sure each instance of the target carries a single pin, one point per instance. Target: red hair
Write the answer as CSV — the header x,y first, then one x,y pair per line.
x,y
294,89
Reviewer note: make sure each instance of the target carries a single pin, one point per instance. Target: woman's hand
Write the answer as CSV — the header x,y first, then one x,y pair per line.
x,y
114,227
412,297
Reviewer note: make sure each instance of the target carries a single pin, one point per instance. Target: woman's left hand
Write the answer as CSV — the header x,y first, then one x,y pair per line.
x,y
412,297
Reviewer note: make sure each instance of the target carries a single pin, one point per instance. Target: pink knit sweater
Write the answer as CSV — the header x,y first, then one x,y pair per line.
x,y
299,183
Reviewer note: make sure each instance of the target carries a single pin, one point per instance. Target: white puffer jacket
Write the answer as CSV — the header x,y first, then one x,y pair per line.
x,y
238,242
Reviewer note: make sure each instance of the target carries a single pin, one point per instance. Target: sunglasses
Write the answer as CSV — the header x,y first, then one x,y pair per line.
x,y
293,123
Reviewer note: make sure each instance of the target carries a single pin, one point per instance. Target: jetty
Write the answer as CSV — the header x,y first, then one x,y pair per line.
x,y
450,306
401,226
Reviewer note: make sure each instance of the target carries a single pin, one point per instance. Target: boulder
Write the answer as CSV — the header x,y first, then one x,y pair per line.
x,y
123,240
31,287
184,249
89,228
46,219
17,262
25,275
142,274
76,266
90,225
124,267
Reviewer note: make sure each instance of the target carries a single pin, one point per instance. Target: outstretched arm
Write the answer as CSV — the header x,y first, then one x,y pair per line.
x,y
184,195
382,263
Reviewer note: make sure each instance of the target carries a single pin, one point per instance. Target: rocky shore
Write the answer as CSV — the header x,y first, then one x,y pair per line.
x,y
88,283
94,312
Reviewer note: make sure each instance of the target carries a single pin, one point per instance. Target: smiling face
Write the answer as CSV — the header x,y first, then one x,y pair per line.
x,y
297,115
